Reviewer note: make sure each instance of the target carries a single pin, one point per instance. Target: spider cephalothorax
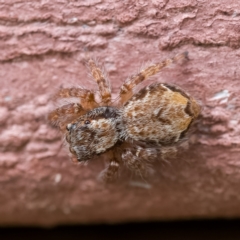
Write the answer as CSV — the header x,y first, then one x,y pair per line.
x,y
135,130
94,133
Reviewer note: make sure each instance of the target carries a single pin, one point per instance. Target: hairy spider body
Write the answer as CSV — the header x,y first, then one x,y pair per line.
x,y
136,130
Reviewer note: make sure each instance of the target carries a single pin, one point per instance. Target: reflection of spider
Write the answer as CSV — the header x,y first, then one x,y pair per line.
x,y
138,128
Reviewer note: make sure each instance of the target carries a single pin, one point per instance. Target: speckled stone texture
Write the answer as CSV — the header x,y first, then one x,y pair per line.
x,y
43,44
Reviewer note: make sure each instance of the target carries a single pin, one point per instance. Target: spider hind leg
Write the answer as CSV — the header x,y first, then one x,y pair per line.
x,y
126,91
138,160
110,174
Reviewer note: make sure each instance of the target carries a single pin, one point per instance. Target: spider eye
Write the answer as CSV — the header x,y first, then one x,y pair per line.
x,y
87,122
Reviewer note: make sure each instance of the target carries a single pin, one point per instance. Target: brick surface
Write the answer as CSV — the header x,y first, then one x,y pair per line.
x,y
43,44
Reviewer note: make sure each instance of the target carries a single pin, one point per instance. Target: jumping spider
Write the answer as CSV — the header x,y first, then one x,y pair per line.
x,y
134,130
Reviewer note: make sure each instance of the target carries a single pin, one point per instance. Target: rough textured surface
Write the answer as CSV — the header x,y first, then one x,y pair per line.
x,y
43,44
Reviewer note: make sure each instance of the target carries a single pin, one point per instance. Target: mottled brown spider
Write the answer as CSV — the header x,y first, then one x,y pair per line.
x,y
136,129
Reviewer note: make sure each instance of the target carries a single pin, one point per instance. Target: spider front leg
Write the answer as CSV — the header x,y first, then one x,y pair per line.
x,y
126,91
86,97
61,116
103,83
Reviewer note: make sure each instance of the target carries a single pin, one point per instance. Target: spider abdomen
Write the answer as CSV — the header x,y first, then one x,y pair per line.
x,y
159,113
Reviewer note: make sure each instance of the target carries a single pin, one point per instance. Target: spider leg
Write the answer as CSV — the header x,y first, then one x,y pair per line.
x,y
126,90
110,174
168,152
87,98
103,83
139,159
61,116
